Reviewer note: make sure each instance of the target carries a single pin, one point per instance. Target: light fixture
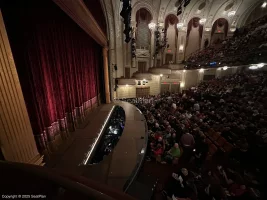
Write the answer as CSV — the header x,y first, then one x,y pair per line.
x,y
207,29
253,67
202,21
264,5
218,68
144,79
260,65
152,25
181,47
182,84
233,29
184,70
180,25
225,68
201,70
161,75
231,13
127,85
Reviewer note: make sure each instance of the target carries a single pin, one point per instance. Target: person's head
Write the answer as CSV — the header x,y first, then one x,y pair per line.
x,y
184,171
173,135
160,139
176,145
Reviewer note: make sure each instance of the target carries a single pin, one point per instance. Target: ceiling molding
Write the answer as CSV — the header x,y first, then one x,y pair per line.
x,y
78,11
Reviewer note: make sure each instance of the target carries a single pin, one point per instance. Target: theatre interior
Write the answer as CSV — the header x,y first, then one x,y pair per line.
x,y
133,99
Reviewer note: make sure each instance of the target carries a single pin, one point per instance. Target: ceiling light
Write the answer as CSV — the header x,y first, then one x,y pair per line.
x,y
202,21
231,13
225,68
201,70
264,5
151,25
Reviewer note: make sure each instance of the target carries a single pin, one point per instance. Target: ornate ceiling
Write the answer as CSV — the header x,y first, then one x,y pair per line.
x,y
208,9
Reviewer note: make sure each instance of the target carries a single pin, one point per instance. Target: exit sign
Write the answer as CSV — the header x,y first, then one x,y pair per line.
x,y
169,50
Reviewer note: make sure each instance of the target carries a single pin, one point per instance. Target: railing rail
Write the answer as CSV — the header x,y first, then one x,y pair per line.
x,y
45,174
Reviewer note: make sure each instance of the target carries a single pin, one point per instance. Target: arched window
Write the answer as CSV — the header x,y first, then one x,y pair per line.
x,y
143,18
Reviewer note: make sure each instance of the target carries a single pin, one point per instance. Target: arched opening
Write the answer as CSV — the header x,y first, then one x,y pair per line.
x,y
219,31
194,36
171,22
143,18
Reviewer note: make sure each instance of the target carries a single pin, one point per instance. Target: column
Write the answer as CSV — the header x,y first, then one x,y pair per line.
x,y
106,74
16,137
152,48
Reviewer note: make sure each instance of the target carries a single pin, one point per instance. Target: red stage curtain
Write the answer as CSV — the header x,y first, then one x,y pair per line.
x,y
58,66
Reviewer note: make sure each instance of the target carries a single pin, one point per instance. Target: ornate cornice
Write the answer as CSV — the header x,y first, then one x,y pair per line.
x,y
78,11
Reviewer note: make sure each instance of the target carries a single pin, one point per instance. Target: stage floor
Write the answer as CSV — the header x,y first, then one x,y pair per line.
x,y
118,167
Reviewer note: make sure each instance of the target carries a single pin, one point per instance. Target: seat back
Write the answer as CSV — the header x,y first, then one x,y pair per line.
x,y
221,141
228,147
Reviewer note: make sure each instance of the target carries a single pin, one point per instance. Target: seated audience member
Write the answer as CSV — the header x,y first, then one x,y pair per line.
x,y
173,153
178,185
158,151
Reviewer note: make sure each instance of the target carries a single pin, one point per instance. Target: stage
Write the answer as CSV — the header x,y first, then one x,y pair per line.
x,y
119,168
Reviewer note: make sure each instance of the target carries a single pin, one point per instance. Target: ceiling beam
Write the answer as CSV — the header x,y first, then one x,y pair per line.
x,y
79,13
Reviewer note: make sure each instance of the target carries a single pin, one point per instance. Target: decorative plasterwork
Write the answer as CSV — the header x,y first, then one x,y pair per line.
x,y
144,4
142,53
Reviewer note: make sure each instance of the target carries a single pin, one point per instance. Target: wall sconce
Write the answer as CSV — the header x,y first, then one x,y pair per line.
x,y
201,70
161,75
180,25
127,85
233,29
152,26
182,84
181,48
264,5
202,21
184,70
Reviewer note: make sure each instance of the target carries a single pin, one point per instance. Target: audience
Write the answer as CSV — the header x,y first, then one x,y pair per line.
x,y
234,107
250,42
